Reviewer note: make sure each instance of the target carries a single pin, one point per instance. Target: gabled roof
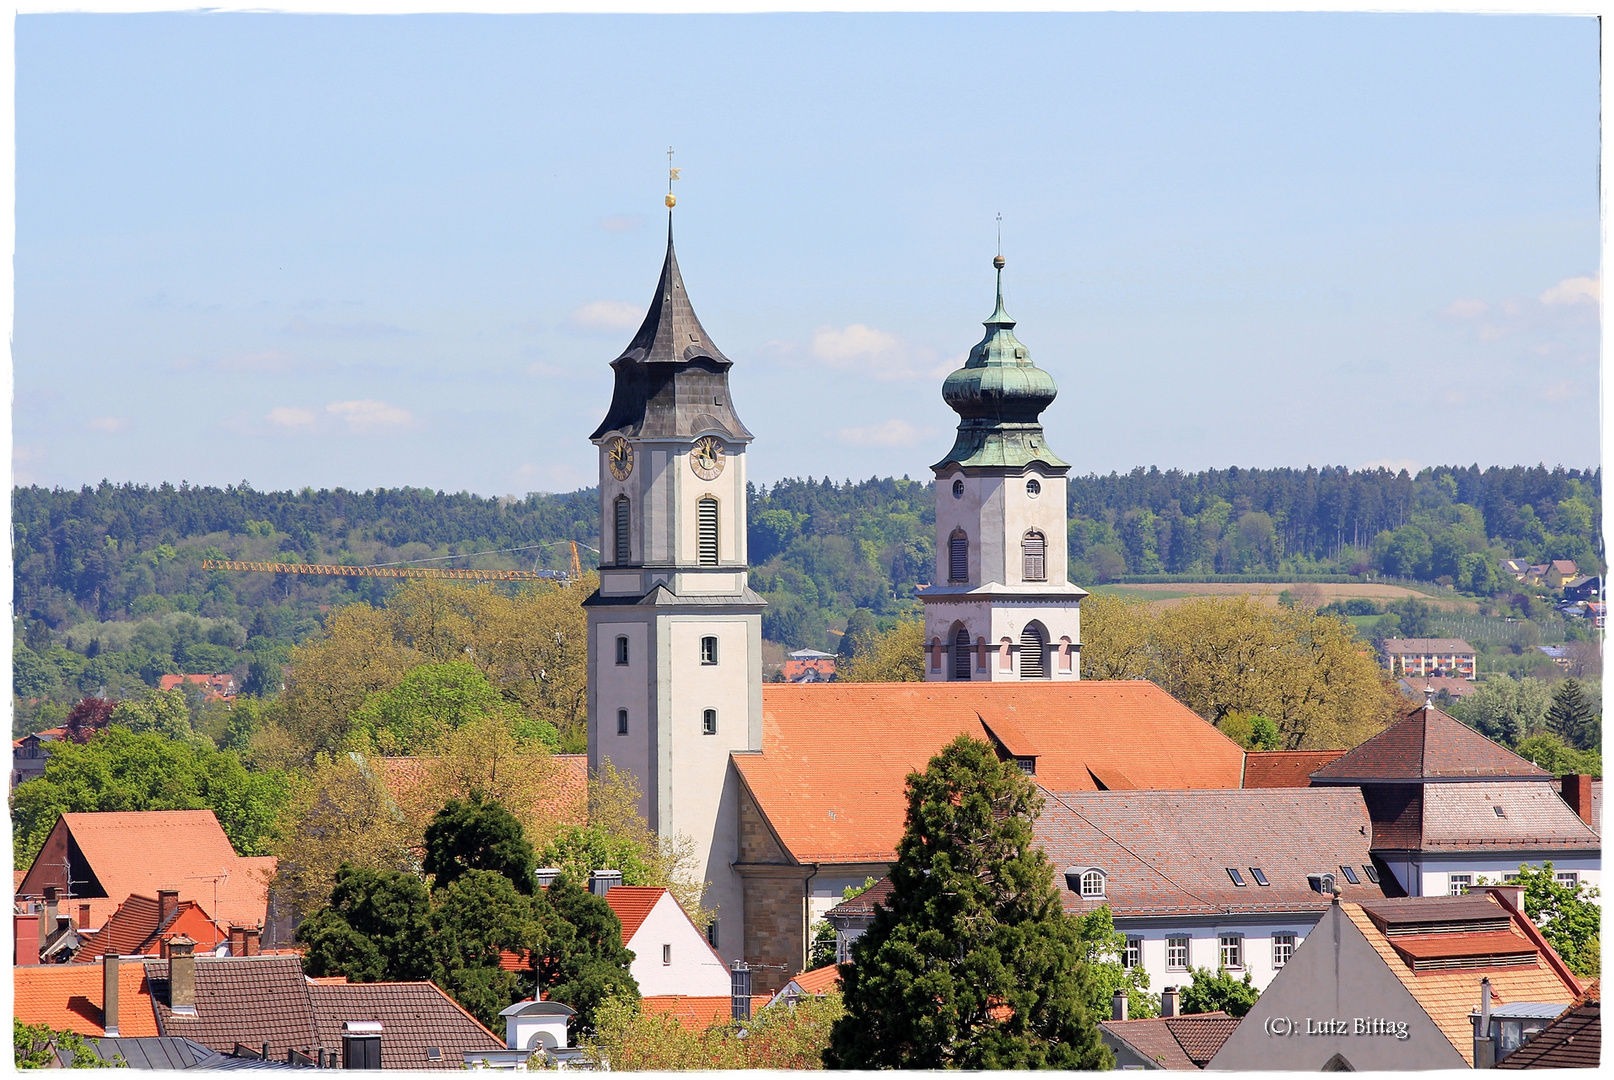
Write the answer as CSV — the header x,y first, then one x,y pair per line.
x,y
251,1000
1427,746
1417,646
1179,1043
1573,1040
1168,852
632,904
414,1016
143,851
69,997
863,904
830,777
136,928
1284,768
1448,996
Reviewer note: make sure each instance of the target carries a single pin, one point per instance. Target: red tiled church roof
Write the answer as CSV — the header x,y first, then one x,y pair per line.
x,y
1284,768
835,757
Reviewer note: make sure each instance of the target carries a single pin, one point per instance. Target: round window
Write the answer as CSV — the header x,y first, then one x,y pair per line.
x,y
958,489
1033,488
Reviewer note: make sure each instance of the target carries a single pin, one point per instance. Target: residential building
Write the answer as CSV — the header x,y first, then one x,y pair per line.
x,y
1517,567
697,1013
815,818
100,860
1584,588
1449,807
1558,654
1395,985
162,1054
809,665
853,916
1418,688
30,753
214,687
1213,879
809,984
112,999
1597,612
1573,1039
1001,608
1560,571
671,956
1429,656
143,926
1180,1043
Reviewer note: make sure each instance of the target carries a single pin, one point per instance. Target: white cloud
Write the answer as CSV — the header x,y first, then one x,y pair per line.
x,y
891,433
108,423
1467,309
873,352
607,315
287,416
1395,465
368,415
1561,391
1575,290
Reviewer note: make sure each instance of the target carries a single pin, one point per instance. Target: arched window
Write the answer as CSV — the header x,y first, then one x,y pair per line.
x,y
708,650
709,722
1066,654
1093,883
1032,663
961,654
624,547
958,556
622,650
622,721
707,522
1033,546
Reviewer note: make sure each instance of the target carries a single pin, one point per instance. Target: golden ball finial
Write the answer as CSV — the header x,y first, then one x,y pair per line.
x,y
671,201
998,261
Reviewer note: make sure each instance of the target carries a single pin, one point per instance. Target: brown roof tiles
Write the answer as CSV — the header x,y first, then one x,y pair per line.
x,y
1180,1042
1427,745
1573,1040
1284,768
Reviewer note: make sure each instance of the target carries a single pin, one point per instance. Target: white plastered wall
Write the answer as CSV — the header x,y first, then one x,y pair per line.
x,y
695,970
1204,949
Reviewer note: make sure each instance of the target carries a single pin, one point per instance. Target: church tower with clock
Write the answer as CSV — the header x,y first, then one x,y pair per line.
x,y
675,631
1001,608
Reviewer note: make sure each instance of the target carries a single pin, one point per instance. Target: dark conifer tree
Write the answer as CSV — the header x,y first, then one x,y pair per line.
x,y
971,963
477,835
1572,717
583,961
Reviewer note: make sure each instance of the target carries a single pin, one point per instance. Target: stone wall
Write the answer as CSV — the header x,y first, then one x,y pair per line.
x,y
775,924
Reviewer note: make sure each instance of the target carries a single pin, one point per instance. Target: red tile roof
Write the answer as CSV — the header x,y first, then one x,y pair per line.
x,y
414,1016
819,980
863,903
632,904
1573,1040
135,929
566,800
68,997
696,1013
1427,745
830,777
1284,768
143,851
1180,1042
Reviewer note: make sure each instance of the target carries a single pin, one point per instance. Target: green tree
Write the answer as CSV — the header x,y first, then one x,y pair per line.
x,y
1220,991
1505,709
432,701
582,961
1568,916
121,770
35,1046
1102,947
474,920
1572,717
373,929
896,655
861,632
477,835
161,712
1549,751
970,963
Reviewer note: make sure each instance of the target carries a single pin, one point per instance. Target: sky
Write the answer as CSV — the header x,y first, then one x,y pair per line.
x,y
376,251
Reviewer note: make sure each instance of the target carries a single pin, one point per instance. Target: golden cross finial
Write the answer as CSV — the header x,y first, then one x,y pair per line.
x,y
672,174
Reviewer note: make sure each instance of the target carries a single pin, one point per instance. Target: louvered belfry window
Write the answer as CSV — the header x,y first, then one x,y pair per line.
x,y
1031,659
1035,546
707,520
961,654
623,536
958,557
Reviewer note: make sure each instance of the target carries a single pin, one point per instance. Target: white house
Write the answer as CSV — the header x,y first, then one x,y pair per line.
x,y
670,955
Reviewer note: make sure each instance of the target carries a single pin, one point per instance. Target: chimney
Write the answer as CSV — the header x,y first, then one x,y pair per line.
x,y
740,990
109,994
1577,791
25,939
1168,1002
167,904
47,919
545,876
1511,895
250,937
601,882
1484,1048
182,975
1118,1005
238,940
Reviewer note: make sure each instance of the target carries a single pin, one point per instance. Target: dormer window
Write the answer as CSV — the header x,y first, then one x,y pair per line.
x,y
1086,881
1093,883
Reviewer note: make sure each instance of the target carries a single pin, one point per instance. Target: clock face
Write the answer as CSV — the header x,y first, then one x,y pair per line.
x,y
620,457
706,458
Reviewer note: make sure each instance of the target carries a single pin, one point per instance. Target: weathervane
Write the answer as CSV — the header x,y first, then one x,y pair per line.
x,y
998,261
672,174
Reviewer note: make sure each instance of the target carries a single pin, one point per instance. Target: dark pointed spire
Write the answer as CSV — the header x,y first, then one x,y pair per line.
x,y
671,333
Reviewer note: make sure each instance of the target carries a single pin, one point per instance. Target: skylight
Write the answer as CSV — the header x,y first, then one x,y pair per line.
x,y
1258,875
1238,878
1371,872
1350,874
1499,811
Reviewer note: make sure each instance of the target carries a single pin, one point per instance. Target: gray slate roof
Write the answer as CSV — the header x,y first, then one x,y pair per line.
x,y
1463,817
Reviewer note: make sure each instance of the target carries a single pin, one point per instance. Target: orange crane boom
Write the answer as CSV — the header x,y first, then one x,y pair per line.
x,y
330,570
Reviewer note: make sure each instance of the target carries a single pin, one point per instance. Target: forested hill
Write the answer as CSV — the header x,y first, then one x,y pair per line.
x,y
109,591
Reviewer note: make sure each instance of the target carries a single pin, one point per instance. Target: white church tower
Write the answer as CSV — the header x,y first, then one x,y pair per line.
x,y
1001,607
675,632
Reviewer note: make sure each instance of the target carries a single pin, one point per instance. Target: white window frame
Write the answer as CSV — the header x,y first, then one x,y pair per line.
x,y
1186,944
1283,948
1458,884
1092,883
1569,878
1132,953
1230,944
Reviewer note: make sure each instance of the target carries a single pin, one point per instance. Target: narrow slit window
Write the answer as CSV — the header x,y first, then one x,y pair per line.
x,y
708,650
1238,878
666,956
1034,547
622,721
624,542
961,654
709,722
622,650
1259,875
1350,874
708,531
958,557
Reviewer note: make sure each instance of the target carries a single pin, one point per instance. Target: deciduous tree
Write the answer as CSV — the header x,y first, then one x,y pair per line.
x,y
1219,992
896,655
970,963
